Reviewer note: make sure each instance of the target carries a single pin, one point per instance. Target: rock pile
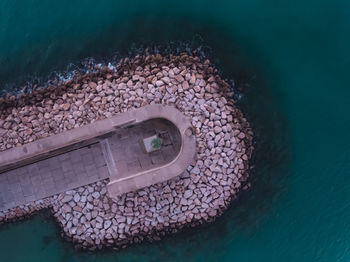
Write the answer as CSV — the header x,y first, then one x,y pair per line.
x,y
224,139
21,212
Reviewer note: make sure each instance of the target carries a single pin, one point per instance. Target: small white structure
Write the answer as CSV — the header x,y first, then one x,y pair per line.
x,y
152,143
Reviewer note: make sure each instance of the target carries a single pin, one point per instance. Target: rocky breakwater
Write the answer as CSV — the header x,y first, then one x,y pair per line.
x,y
224,146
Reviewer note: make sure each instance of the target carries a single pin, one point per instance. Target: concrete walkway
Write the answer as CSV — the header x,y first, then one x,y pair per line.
x,y
86,165
52,176
109,148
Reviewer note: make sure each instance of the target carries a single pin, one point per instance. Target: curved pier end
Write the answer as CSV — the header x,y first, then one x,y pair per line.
x,y
119,185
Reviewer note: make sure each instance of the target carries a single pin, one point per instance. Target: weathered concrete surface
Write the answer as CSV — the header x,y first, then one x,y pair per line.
x,y
127,152
115,154
170,162
52,176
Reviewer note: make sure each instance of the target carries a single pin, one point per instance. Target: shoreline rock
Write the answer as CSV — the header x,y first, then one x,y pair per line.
x,y
87,216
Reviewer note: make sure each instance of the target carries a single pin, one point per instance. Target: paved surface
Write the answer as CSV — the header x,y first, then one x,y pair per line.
x,y
51,176
115,152
133,169
119,153
127,152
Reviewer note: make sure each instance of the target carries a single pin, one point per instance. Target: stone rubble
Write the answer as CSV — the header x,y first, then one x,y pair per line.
x,y
87,215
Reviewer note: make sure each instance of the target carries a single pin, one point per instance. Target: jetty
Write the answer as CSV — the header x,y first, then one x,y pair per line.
x,y
126,155
110,148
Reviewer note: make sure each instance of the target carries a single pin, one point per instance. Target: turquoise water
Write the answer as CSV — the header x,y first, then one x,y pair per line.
x,y
292,56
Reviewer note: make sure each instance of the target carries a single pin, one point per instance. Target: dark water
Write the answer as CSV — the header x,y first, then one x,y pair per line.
x,y
293,58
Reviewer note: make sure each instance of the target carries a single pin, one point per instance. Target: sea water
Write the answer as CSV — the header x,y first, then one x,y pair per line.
x,y
291,61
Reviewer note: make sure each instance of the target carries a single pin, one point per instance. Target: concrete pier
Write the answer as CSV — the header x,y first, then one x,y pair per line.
x,y
107,148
